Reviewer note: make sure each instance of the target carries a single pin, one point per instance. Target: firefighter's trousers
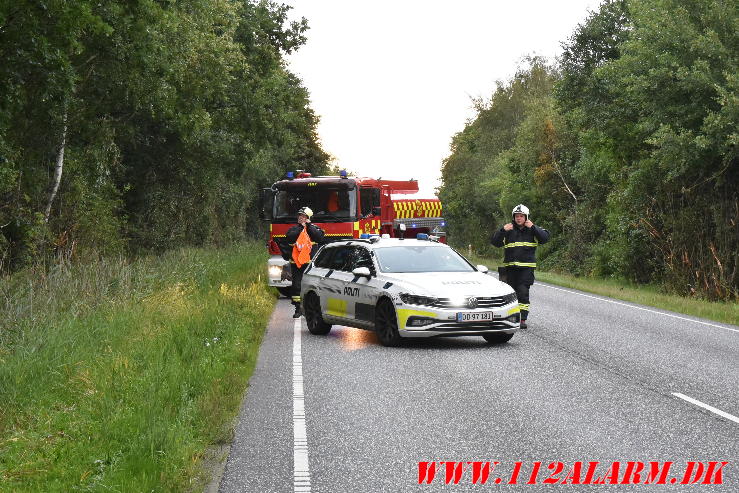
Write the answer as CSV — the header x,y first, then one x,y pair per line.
x,y
297,275
521,279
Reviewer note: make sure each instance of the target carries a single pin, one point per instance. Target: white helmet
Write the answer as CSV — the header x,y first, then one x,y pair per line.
x,y
307,211
521,209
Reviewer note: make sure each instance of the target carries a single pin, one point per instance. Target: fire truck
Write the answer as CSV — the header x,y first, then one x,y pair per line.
x,y
345,207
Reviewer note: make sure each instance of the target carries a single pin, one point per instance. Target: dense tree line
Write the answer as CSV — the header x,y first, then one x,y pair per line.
x,y
625,148
144,124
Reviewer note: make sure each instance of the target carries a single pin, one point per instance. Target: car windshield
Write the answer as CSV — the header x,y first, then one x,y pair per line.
x,y
411,258
328,204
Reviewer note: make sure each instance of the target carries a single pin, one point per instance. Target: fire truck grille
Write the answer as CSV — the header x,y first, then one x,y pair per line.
x,y
420,222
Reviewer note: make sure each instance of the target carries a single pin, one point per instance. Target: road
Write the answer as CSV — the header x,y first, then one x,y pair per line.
x,y
591,380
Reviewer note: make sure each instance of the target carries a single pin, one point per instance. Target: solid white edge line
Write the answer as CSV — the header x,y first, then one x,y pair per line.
x,y
301,471
714,410
637,307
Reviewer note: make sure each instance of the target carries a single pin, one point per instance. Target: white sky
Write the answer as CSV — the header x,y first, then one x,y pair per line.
x,y
392,80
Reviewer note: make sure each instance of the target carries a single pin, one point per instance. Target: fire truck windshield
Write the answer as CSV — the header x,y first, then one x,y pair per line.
x,y
329,204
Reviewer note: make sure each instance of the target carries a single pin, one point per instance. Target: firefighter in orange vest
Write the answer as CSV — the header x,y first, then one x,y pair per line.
x,y
302,237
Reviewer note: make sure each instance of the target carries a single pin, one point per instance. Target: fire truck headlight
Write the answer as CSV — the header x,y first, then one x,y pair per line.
x,y
275,271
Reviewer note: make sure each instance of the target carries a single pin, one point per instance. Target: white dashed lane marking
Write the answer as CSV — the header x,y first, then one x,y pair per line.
x,y
714,410
301,471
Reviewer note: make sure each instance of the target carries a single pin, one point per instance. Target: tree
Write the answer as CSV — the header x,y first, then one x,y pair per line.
x,y
144,124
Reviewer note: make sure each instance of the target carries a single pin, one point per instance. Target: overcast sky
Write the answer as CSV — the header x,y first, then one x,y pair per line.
x,y
392,81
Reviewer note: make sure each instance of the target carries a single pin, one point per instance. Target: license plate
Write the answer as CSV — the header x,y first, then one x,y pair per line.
x,y
474,316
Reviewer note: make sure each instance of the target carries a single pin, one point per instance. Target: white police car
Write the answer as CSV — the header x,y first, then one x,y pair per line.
x,y
406,288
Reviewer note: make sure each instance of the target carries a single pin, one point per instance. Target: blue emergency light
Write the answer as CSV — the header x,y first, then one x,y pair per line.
x,y
290,175
413,225
422,236
342,173
442,223
364,236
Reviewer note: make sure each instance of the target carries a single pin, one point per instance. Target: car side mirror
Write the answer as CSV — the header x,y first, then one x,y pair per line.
x,y
362,272
483,269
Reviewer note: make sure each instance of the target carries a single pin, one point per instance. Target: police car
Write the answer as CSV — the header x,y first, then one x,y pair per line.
x,y
405,288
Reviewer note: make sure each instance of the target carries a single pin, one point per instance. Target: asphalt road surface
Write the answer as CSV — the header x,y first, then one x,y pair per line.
x,y
591,380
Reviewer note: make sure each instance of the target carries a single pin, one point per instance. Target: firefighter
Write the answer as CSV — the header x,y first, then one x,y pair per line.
x,y
302,251
519,240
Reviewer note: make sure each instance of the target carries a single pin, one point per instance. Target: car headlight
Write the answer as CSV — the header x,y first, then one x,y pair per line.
x,y
412,299
274,271
458,301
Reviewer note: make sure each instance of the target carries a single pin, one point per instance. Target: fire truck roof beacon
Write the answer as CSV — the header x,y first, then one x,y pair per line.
x,y
343,173
422,236
290,175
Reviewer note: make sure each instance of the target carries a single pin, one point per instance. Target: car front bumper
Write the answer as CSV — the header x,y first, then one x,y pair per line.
x,y
443,322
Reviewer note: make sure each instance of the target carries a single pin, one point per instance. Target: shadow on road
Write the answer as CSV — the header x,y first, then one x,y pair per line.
x,y
352,339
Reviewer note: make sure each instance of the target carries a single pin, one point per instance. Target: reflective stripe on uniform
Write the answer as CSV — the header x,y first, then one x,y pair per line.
x,y
296,299
521,243
524,306
519,264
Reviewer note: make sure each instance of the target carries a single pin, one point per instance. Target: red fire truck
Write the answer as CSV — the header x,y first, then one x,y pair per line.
x,y
345,207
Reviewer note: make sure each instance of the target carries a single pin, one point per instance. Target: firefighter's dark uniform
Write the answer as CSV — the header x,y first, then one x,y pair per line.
x,y
520,258
316,235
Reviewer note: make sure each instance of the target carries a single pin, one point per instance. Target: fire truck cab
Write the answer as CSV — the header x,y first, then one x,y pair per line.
x,y
345,207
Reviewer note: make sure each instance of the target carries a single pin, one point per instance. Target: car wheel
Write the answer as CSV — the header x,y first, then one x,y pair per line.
x,y
497,337
313,316
386,324
285,291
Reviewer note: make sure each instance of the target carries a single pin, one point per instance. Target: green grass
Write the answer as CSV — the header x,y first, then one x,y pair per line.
x,y
726,312
118,376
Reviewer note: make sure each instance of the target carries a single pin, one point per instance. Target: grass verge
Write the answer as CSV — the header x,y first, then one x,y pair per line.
x,y
642,294
118,376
